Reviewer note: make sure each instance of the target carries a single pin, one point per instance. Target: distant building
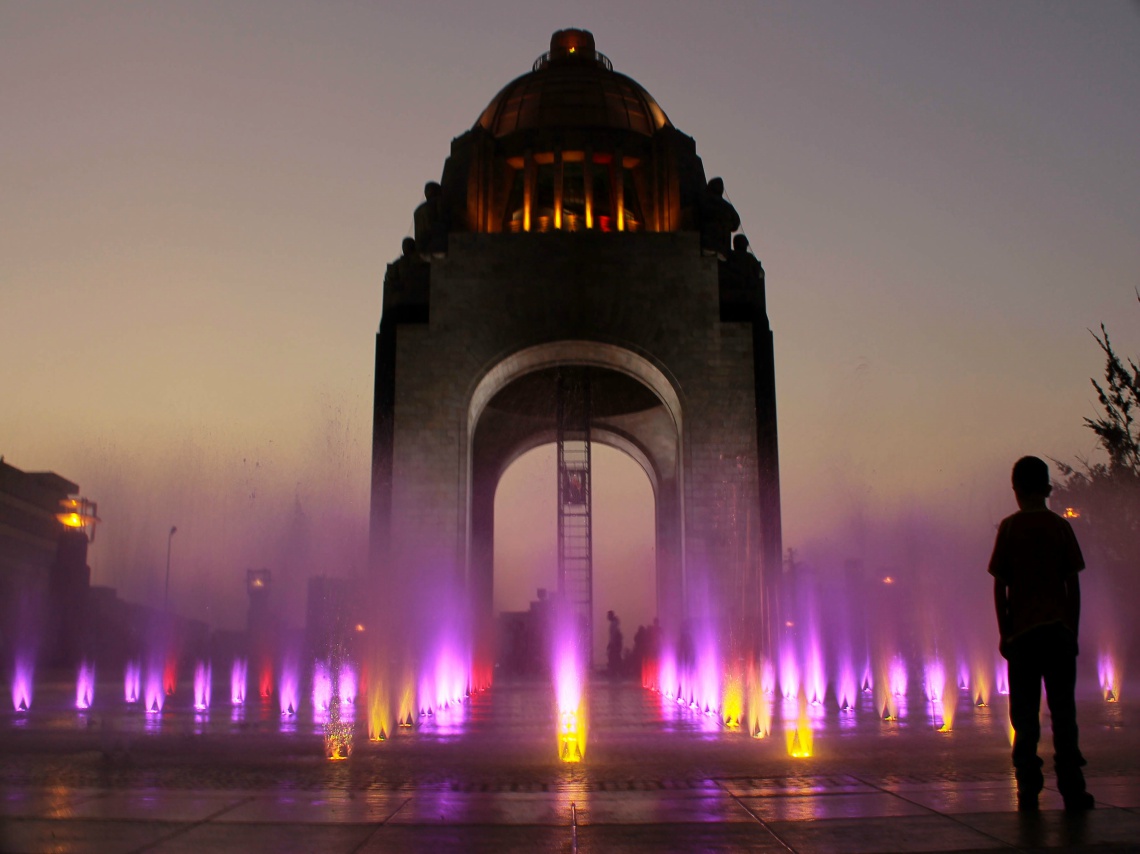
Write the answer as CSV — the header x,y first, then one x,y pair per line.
x,y
44,577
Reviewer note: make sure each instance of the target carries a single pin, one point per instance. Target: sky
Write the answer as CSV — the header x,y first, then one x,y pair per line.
x,y
198,201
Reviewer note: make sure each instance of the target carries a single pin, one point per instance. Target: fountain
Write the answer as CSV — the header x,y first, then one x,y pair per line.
x,y
202,678
238,682
85,686
132,681
22,683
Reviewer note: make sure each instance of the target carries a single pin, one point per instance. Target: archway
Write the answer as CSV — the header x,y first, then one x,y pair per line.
x,y
635,409
525,541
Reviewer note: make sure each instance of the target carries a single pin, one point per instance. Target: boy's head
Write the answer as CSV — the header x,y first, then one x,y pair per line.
x,y
1031,477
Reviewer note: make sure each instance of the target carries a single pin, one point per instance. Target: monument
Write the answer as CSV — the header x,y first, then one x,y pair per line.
x,y
571,281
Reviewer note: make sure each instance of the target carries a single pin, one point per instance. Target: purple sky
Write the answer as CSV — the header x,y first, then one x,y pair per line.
x,y
198,201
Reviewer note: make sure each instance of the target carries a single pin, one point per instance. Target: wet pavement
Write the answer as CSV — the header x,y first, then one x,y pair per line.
x,y
485,776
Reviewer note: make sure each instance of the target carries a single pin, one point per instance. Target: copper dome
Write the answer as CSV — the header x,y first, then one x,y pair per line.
x,y
573,86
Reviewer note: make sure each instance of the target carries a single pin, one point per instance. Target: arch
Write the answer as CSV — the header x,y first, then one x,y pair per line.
x,y
525,543
572,352
654,443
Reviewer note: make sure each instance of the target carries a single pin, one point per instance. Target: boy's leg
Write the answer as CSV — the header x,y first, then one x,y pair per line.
x,y
1025,717
1060,674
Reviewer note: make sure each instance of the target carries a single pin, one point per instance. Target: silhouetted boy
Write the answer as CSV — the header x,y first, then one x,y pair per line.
x,y
1037,595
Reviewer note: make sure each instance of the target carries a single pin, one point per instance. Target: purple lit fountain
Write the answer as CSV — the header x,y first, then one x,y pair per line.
x,y
85,686
237,682
22,684
132,681
202,675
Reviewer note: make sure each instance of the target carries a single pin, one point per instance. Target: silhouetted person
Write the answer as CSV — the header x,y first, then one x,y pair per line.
x,y
743,263
430,226
718,220
1037,596
613,648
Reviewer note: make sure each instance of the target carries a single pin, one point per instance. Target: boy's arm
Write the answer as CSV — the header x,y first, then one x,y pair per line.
x,y
1001,606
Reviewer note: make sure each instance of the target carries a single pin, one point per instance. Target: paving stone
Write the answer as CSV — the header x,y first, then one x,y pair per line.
x,y
154,805
501,808
649,808
858,835
314,808
843,805
36,836
676,838
278,838
477,839
1059,829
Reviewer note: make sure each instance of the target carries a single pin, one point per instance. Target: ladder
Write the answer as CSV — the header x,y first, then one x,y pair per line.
x,y
575,529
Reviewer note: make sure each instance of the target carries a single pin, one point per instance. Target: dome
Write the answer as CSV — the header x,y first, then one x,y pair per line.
x,y
573,86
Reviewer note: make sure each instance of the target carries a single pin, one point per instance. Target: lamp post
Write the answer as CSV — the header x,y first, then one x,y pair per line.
x,y
166,592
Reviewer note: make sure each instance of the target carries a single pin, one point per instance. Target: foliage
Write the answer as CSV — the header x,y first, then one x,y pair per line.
x,y
1107,494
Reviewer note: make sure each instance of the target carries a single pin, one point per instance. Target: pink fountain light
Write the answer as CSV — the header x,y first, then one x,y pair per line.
x,y
815,682
934,681
668,682
706,679
85,686
1001,676
789,673
847,690
237,682
202,677
155,692
898,676
1108,677
322,687
288,689
767,677
132,681
22,684
443,682
347,686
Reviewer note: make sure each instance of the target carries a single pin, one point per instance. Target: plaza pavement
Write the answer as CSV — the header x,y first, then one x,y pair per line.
x,y
656,777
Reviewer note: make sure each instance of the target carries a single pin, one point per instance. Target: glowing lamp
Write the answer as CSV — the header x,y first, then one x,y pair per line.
x,y
888,580
360,627
78,514
257,581
1072,513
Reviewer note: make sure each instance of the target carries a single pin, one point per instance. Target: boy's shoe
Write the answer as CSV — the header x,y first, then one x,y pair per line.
x,y
1027,802
1081,801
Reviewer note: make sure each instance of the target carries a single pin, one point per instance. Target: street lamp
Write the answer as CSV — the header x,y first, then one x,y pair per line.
x,y
166,593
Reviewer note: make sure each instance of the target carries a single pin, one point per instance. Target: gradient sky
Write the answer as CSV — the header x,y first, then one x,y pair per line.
x,y
197,202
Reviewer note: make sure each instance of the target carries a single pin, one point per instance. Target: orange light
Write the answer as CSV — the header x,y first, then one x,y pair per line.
x,y
888,580
571,742
360,627
789,623
1072,513
76,513
573,50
